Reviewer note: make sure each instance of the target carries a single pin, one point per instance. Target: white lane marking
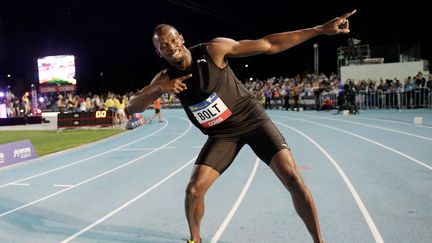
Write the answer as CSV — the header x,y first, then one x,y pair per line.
x,y
87,228
62,185
360,204
143,149
159,135
20,184
377,127
237,203
82,160
95,177
371,141
391,121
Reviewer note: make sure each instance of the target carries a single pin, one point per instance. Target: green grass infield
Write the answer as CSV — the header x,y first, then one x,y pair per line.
x,y
47,142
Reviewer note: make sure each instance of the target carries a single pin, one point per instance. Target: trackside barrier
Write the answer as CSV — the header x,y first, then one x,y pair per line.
x,y
371,99
377,99
16,152
85,119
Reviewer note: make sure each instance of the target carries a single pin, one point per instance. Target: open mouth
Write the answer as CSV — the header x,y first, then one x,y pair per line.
x,y
175,53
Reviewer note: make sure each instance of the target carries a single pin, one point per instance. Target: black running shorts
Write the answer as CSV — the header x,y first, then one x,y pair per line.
x,y
219,153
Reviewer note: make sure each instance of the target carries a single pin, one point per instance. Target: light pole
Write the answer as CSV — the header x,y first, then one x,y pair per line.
x,y
316,59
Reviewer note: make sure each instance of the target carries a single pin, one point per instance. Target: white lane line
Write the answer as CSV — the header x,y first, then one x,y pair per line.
x,y
82,160
372,227
95,177
159,135
20,184
372,141
377,127
391,121
142,149
62,185
87,228
237,203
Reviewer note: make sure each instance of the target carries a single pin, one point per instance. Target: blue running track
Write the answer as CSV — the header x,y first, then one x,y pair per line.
x,y
370,176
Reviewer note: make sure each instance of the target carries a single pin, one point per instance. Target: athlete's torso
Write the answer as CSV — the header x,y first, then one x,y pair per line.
x,y
215,100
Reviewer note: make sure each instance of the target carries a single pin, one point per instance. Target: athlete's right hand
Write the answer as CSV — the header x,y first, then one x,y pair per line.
x,y
171,85
178,85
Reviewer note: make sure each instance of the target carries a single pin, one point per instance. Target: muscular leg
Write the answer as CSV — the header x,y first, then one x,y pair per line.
x,y
285,168
202,178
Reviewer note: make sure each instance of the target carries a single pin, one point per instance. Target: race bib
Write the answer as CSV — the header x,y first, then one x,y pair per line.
x,y
211,111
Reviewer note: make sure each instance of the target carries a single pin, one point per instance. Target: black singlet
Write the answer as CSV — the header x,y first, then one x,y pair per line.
x,y
215,101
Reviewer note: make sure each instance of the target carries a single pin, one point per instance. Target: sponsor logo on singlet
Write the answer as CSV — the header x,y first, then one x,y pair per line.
x,y
211,111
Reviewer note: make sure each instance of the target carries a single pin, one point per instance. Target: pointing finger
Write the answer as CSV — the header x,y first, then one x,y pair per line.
x,y
349,14
184,77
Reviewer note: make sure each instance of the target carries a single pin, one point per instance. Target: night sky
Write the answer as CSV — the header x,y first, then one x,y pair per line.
x,y
114,39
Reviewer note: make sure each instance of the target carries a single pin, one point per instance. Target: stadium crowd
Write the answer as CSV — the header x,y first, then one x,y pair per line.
x,y
310,91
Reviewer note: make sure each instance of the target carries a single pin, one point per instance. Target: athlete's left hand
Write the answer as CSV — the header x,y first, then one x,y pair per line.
x,y
337,25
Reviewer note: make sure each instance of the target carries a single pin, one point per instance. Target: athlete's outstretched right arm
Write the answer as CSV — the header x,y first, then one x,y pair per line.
x,y
159,85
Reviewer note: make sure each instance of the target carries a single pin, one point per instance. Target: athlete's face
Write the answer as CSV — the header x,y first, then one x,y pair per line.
x,y
169,45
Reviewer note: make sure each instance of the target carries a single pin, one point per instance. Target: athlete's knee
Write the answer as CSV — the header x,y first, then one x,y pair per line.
x,y
193,192
294,182
286,169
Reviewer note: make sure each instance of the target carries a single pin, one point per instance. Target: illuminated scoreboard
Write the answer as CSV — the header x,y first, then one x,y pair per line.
x,y
56,73
85,119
